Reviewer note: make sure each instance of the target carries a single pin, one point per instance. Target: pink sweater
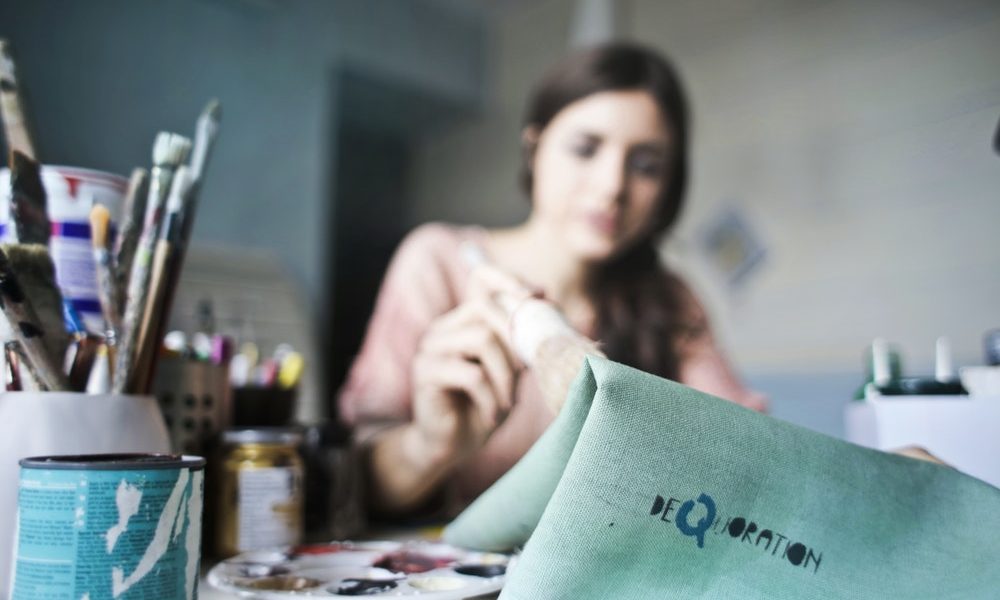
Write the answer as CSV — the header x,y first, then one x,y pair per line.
x,y
427,278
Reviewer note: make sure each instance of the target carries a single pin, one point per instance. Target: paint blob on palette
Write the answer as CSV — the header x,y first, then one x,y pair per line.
x,y
426,570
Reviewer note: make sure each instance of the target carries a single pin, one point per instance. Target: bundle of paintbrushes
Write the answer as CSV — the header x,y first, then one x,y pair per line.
x,y
137,271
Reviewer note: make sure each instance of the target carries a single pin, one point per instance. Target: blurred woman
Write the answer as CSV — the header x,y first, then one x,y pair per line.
x,y
437,385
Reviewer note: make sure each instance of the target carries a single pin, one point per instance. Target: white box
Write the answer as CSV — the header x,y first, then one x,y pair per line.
x,y
962,431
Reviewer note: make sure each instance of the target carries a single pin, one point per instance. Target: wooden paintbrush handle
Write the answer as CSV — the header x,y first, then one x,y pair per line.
x,y
106,289
14,123
149,329
83,360
28,202
12,363
128,344
133,212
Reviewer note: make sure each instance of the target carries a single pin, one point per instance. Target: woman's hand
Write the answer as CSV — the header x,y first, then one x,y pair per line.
x,y
464,371
463,379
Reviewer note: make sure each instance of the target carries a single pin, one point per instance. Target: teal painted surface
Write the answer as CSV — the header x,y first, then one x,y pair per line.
x,y
644,488
75,533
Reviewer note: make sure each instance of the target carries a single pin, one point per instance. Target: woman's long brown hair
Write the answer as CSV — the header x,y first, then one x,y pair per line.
x,y
641,309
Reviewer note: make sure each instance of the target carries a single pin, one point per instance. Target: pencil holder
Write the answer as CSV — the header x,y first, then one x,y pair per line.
x,y
195,398
50,423
255,406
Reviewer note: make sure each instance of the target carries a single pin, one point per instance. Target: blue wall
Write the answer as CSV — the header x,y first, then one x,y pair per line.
x,y
103,76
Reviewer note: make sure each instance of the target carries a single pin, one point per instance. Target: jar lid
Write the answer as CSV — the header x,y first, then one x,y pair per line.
x,y
291,436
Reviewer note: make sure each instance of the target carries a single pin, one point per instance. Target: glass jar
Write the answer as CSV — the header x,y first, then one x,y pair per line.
x,y
260,494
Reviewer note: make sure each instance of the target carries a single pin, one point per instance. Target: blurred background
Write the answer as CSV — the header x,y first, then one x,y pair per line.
x,y
844,184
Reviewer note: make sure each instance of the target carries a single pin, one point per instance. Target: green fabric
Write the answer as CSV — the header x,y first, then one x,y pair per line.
x,y
602,496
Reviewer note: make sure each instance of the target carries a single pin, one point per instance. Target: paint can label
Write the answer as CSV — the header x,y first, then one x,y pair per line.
x,y
122,534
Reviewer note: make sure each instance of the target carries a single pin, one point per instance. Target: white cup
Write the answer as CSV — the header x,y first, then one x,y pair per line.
x,y
51,423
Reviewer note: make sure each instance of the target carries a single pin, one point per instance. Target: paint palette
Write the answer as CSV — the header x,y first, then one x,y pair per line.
x,y
427,570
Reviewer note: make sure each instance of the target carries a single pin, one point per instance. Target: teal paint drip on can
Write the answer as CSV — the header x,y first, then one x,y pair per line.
x,y
109,526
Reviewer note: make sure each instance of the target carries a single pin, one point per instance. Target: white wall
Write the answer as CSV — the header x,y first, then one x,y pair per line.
x,y
855,137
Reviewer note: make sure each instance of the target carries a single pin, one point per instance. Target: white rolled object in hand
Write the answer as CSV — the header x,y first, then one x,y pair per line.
x,y
544,341
532,322
537,331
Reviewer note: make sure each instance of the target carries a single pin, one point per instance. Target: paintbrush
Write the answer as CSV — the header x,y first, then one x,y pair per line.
x,y
132,216
27,379
12,363
27,201
99,381
206,130
85,348
28,328
169,151
32,265
100,218
155,312
14,123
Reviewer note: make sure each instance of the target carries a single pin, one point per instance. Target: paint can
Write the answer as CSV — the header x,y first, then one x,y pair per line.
x,y
109,526
70,194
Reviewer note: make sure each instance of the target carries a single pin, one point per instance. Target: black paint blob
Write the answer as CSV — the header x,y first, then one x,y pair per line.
x,y
482,570
364,587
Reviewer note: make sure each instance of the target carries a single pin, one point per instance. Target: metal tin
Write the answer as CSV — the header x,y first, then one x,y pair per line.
x,y
260,500
109,526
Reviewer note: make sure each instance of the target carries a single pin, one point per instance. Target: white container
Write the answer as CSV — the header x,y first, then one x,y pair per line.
x,y
49,423
980,380
71,193
962,431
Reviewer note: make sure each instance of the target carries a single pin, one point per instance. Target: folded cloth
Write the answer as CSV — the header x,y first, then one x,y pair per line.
x,y
644,488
